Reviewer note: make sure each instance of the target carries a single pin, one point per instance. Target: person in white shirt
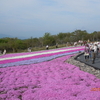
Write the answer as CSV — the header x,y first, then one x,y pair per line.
x,y
29,49
91,49
47,47
75,44
4,52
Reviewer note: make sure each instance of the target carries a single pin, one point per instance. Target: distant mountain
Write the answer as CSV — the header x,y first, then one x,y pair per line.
x,y
5,35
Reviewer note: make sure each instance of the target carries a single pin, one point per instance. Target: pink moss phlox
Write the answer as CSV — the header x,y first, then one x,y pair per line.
x,y
52,80
34,57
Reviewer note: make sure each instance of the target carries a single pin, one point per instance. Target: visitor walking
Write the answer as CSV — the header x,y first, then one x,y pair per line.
x,y
91,50
97,49
56,45
29,49
94,53
0,52
75,44
86,52
4,52
47,47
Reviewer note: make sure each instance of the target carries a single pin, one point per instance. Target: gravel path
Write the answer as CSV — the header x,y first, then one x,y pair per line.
x,y
83,66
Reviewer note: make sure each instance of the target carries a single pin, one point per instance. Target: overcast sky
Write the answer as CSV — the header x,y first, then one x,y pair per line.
x,y
26,18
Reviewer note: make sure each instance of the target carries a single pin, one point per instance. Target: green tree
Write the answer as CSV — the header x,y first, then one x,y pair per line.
x,y
48,39
62,37
80,35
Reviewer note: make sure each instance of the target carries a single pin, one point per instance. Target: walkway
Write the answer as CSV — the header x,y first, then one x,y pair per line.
x,y
95,65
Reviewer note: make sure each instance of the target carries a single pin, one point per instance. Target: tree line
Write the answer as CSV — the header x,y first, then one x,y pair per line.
x,y
15,44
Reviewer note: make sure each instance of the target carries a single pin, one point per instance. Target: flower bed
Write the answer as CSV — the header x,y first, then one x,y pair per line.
x,y
19,60
35,60
51,80
27,53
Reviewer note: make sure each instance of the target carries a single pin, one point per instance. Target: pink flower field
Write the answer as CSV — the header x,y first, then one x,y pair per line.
x,y
49,80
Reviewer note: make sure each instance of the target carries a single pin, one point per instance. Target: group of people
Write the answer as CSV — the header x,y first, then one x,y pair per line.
x,y
80,42
91,52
